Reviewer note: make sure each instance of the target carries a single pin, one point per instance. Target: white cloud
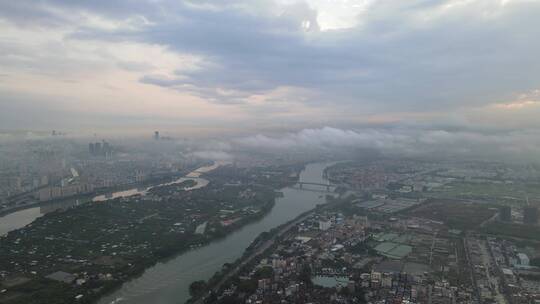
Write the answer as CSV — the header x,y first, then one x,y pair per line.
x,y
517,145
213,155
282,61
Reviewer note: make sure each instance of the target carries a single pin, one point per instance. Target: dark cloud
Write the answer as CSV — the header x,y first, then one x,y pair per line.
x,y
409,56
161,81
392,61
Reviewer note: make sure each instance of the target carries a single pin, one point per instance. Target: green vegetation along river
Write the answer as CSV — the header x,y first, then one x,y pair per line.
x,y
168,281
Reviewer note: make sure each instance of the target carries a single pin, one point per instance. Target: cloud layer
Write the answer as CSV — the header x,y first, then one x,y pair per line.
x,y
274,63
409,142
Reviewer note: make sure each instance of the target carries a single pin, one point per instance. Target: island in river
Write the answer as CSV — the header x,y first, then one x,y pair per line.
x,y
82,253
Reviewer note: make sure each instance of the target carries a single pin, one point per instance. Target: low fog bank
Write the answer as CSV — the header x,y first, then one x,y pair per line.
x,y
321,143
515,146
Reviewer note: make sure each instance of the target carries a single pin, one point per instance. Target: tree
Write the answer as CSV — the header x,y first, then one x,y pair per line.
x,y
247,286
197,288
305,276
265,272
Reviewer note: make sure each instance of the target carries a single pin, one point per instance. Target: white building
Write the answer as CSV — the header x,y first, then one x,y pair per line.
x,y
325,225
523,259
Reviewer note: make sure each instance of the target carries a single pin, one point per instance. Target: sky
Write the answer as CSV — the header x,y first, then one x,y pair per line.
x,y
202,66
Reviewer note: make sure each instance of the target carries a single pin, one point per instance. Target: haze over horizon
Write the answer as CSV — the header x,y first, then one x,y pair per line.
x,y
468,69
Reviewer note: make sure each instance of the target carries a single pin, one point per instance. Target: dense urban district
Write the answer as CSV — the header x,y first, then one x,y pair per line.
x,y
401,231
392,230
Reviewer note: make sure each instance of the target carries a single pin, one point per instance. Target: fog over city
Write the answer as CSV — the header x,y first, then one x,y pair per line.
x,y
507,145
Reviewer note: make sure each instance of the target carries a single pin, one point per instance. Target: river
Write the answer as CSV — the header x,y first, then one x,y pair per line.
x,y
21,218
193,175
168,282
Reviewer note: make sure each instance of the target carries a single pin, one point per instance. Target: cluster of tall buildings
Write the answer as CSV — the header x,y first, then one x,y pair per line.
x,y
49,193
100,149
530,214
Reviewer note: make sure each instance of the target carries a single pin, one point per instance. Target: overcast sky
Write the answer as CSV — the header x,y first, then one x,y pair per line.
x,y
269,65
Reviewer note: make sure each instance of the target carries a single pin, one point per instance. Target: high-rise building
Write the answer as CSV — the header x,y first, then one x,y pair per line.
x,y
44,180
156,135
91,149
530,215
97,148
106,149
325,225
505,213
100,149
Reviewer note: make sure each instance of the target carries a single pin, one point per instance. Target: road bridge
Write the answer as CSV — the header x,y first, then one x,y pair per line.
x,y
327,186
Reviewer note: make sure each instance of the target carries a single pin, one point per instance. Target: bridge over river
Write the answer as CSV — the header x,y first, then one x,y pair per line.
x,y
327,186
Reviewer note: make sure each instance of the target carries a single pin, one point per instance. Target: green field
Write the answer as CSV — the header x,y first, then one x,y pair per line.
x,y
514,230
515,193
455,214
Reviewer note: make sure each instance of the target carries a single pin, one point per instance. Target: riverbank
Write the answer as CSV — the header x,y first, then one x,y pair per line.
x,y
129,234
264,243
153,180
101,191
19,217
140,270
168,282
